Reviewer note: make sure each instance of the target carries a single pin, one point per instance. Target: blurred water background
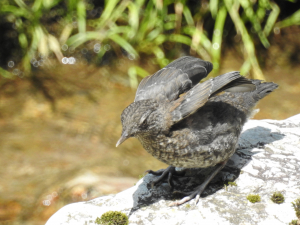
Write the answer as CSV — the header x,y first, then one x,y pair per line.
x,y
69,67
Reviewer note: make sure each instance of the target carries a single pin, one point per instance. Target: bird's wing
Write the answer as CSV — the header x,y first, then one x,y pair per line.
x,y
174,79
191,101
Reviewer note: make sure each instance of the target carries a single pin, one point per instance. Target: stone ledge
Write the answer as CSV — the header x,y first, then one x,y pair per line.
x,y
267,160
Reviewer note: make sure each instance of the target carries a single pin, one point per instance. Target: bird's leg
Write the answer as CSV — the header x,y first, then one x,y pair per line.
x,y
167,173
200,189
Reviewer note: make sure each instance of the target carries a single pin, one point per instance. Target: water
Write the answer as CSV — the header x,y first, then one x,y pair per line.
x,y
47,143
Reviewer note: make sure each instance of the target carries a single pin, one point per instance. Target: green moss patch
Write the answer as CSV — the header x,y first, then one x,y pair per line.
x,y
188,206
253,198
277,198
232,183
294,222
296,205
112,218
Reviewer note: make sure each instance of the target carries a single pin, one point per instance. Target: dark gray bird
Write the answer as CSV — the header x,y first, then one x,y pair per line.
x,y
187,124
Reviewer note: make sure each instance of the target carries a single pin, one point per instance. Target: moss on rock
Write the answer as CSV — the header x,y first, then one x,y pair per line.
x,y
253,198
277,198
232,183
296,205
112,218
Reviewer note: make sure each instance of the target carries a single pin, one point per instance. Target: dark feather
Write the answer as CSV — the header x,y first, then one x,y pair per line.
x,y
190,102
263,88
165,85
196,68
176,78
240,84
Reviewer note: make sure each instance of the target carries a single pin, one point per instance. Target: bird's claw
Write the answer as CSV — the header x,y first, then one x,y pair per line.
x,y
168,172
187,198
196,194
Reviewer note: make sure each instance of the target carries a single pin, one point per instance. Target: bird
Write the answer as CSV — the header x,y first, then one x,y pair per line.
x,y
186,123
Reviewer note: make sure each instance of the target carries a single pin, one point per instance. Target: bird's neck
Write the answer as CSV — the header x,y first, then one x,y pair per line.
x,y
150,140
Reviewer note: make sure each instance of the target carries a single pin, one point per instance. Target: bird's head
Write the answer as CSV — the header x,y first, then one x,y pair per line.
x,y
137,118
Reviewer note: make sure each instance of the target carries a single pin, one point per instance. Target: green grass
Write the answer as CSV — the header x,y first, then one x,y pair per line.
x,y
159,29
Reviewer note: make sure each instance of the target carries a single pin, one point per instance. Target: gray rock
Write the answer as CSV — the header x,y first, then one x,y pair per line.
x,y
269,156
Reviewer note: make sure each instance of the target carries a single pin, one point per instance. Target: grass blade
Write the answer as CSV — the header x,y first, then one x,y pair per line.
x,y
246,4
54,46
4,73
245,67
23,41
81,15
65,34
188,16
81,38
179,38
123,43
271,19
18,12
133,21
217,37
248,43
133,72
203,39
213,7
290,21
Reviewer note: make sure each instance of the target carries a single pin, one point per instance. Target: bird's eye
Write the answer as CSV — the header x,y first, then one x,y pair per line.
x,y
144,123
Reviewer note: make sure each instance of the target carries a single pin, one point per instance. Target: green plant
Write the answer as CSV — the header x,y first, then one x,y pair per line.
x,y
134,28
253,198
232,183
277,197
188,206
229,183
294,222
141,176
296,205
112,218
150,27
35,39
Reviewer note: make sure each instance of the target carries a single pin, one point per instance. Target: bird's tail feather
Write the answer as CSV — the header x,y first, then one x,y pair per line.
x,y
263,88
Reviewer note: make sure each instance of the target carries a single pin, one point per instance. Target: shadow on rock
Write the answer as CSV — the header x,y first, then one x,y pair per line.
x,y
251,142
257,137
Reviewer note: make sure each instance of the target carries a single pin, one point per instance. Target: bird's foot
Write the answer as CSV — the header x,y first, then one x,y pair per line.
x,y
167,173
190,195
196,194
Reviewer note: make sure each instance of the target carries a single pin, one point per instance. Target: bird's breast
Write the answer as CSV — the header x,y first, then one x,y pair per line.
x,y
183,149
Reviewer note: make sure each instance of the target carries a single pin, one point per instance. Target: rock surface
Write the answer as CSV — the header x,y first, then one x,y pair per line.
x,y
267,160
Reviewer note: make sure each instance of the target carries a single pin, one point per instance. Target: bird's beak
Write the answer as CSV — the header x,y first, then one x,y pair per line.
x,y
123,138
